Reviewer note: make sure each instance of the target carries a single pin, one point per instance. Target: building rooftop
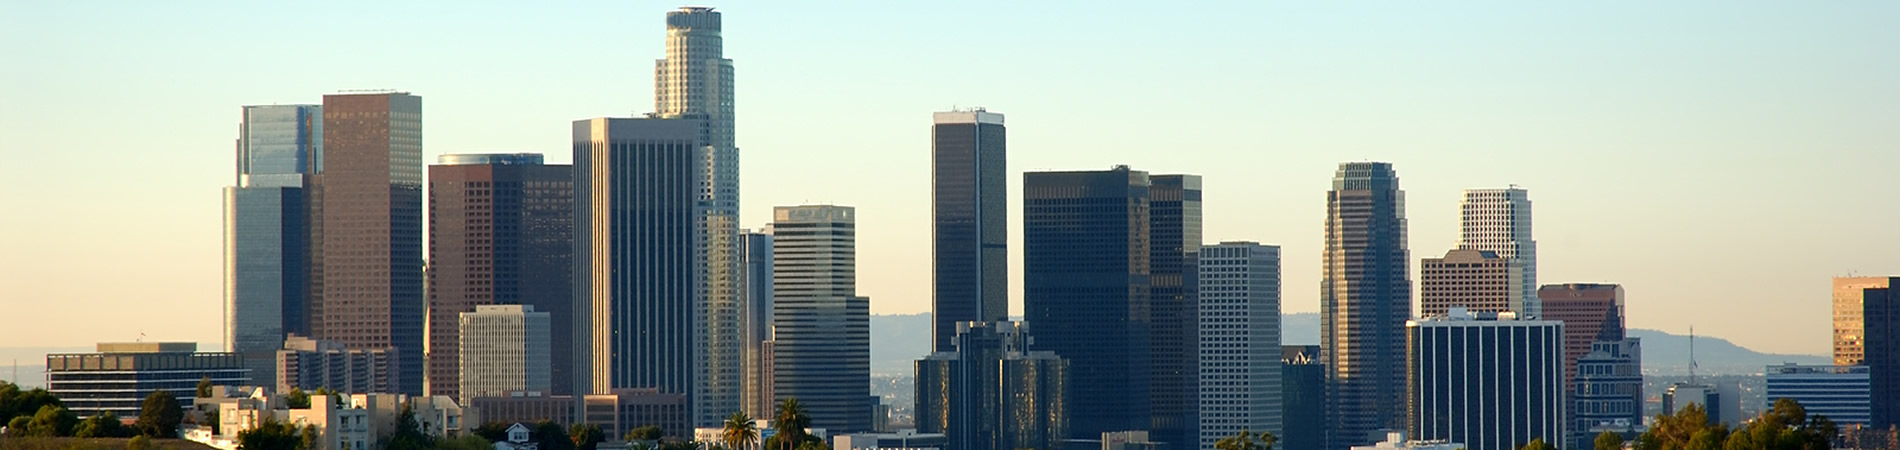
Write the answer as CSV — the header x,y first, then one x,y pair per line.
x,y
147,347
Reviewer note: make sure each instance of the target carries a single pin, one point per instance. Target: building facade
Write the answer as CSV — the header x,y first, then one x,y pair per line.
x,y
636,263
119,376
1607,393
267,231
821,346
1174,246
371,208
1239,349
310,364
501,233
1477,280
504,348
1365,300
1499,221
1867,333
758,320
1086,290
1302,397
526,407
1842,393
622,410
992,393
1489,381
694,81
970,222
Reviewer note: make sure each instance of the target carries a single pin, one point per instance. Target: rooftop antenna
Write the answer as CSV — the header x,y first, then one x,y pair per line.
x,y
1692,354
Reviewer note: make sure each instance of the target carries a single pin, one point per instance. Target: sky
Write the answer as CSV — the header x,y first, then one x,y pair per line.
x,y
1720,160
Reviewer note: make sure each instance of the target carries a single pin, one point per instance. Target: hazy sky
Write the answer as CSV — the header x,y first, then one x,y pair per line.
x,y
1721,160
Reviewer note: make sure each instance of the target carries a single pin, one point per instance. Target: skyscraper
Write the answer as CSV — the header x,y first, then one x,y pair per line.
x,y
694,80
501,233
1867,333
1303,396
970,261
1593,321
992,393
1365,300
503,348
1607,392
1499,221
821,346
636,264
1477,280
758,320
1239,350
1488,381
371,203
1174,246
1086,290
267,232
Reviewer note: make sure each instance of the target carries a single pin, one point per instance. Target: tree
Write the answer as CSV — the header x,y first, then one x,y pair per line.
x,y
17,426
204,387
791,423
160,415
467,442
103,425
297,399
408,435
270,435
646,433
1609,441
310,439
1246,440
812,444
52,421
140,442
680,445
1537,444
492,431
550,436
740,431
212,416
16,403
586,436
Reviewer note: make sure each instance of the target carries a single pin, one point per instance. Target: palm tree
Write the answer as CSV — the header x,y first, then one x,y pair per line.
x,y
791,423
740,432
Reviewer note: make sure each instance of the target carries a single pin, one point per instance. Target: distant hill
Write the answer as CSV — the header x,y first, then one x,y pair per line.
x,y
897,341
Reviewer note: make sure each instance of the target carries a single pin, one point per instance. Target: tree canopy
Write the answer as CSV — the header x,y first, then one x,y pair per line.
x,y
271,435
160,415
1784,426
586,436
1608,440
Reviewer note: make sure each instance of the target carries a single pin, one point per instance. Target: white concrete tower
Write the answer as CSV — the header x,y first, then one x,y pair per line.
x,y
1499,221
1239,341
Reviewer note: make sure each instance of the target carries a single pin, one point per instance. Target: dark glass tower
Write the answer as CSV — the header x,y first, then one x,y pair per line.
x,y
758,319
636,235
1174,249
1086,290
970,264
371,203
501,233
992,393
1303,394
267,233
821,342
1365,299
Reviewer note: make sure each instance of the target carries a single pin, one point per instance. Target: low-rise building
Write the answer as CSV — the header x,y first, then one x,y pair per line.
x,y
311,364
1842,393
119,376
529,407
1396,440
900,440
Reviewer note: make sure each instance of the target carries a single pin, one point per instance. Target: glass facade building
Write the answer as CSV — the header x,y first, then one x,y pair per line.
x,y
1174,246
1086,290
1490,382
821,328
1365,300
1867,333
991,393
1303,397
970,222
370,192
758,318
267,232
119,376
1239,350
1842,393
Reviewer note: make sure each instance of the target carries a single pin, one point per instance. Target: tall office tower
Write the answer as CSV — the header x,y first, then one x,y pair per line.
x,y
1867,333
266,232
1239,350
1086,288
1499,221
1489,381
636,258
694,80
970,252
758,319
501,233
1365,299
1592,315
992,393
1477,280
504,348
1174,245
1302,396
1607,393
371,205
821,346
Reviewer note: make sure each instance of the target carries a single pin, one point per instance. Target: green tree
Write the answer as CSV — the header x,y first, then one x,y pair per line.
x,y
204,387
740,431
586,436
335,397
270,435
1537,444
466,442
1247,440
103,425
680,445
16,403
212,417
791,423
17,426
297,399
140,442
550,436
310,438
1609,441
812,444
492,431
52,421
408,434
646,433
160,415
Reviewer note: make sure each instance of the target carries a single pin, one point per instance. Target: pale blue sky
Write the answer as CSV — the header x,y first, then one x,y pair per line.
x,y
1721,160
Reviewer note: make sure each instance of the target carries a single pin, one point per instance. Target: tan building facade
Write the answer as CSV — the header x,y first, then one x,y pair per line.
x,y
1477,280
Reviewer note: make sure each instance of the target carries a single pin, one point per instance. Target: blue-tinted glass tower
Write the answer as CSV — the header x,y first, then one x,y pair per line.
x,y
266,232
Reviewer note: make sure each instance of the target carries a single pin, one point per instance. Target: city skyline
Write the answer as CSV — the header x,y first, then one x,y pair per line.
x,y
1687,127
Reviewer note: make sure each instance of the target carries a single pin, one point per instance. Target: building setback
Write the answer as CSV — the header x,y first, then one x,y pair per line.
x,y
636,264
1477,280
310,364
1086,290
1499,221
267,232
501,233
821,346
1174,244
1490,382
1867,333
992,393
1239,351
758,320
119,376
504,348
970,222
1365,300
371,203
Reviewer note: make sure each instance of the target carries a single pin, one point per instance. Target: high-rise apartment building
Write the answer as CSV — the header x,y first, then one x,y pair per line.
x,y
311,364
1239,349
992,392
1499,221
1174,245
1593,320
267,232
1867,333
694,81
970,222
1477,280
821,346
503,348
371,209
1365,300
1488,381
636,258
501,233
758,320
1302,397
1086,290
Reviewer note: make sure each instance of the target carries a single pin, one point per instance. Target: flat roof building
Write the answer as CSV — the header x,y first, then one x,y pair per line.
x,y
119,376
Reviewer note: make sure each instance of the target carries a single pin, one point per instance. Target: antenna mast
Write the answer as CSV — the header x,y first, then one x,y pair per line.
x,y
1692,354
